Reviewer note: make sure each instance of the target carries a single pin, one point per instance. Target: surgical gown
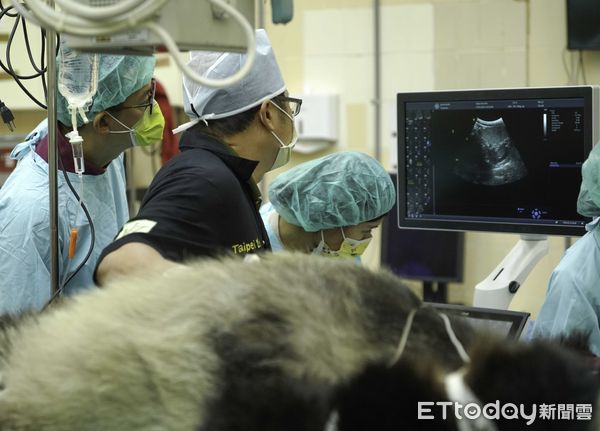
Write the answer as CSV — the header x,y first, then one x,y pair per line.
x,y
270,219
573,299
25,233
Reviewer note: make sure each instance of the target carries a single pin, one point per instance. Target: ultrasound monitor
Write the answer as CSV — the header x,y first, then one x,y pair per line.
x,y
500,160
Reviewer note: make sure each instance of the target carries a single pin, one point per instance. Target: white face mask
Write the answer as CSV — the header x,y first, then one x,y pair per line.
x,y
349,248
283,155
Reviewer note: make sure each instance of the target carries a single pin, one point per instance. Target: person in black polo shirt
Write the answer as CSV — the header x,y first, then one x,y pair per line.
x,y
204,201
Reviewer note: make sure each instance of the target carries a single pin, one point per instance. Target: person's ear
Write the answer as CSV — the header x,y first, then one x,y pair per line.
x,y
100,123
266,115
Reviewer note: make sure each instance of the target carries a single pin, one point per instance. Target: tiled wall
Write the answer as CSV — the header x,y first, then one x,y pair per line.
x,y
480,44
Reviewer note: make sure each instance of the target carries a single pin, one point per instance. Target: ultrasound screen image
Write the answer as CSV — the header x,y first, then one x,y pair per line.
x,y
488,155
499,159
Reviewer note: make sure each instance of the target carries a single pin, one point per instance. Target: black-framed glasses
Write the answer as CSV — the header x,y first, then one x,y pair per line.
x,y
150,103
294,105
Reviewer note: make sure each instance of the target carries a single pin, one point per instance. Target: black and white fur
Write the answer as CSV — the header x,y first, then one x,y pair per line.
x,y
218,345
270,346
386,398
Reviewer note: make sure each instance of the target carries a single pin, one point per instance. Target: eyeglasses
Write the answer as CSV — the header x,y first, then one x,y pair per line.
x,y
294,104
150,103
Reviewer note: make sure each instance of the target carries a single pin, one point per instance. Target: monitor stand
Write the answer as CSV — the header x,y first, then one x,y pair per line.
x,y
435,291
498,289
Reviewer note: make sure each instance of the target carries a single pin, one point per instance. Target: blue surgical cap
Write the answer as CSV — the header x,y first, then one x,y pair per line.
x,y
341,189
588,202
262,82
119,76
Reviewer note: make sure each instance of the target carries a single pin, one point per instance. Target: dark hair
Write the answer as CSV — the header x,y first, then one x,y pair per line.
x,y
237,123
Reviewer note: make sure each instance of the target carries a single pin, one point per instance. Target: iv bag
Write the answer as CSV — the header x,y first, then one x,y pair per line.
x,y
77,80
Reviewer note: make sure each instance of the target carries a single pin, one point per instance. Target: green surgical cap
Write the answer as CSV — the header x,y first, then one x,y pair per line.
x,y
338,190
588,202
119,76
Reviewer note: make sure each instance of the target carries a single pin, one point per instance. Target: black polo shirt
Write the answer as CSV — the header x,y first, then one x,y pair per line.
x,y
202,202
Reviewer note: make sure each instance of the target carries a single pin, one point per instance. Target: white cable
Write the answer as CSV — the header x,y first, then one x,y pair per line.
x,y
454,339
62,22
404,337
98,12
22,10
191,74
48,18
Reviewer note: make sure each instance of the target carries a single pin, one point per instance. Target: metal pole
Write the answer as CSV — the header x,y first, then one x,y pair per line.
x,y
377,55
264,191
52,156
261,15
527,43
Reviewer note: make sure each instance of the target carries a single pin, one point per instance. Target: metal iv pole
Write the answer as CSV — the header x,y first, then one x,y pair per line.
x,y
52,156
377,73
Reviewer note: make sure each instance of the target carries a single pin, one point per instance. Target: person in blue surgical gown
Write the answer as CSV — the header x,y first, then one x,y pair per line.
x,y
572,303
120,115
328,206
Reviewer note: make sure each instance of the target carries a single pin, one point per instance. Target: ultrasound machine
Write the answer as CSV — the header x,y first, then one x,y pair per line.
x,y
496,160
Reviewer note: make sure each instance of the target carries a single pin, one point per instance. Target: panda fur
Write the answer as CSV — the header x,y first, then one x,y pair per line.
x,y
215,345
385,398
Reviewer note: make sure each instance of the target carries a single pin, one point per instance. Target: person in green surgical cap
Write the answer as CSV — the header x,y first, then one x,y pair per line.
x,y
328,206
122,113
572,304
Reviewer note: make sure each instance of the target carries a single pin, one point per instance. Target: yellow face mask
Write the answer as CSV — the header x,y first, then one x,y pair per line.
x,y
148,130
350,248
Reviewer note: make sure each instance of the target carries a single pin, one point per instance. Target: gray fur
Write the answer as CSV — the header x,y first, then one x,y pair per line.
x,y
165,352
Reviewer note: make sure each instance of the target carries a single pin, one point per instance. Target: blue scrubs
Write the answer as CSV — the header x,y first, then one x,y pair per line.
x,y
25,231
573,299
270,220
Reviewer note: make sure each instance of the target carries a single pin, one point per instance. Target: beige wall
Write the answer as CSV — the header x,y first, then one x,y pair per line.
x,y
426,45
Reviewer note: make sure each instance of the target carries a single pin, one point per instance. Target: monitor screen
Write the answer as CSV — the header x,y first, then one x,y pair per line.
x,y
417,254
505,323
499,160
583,24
